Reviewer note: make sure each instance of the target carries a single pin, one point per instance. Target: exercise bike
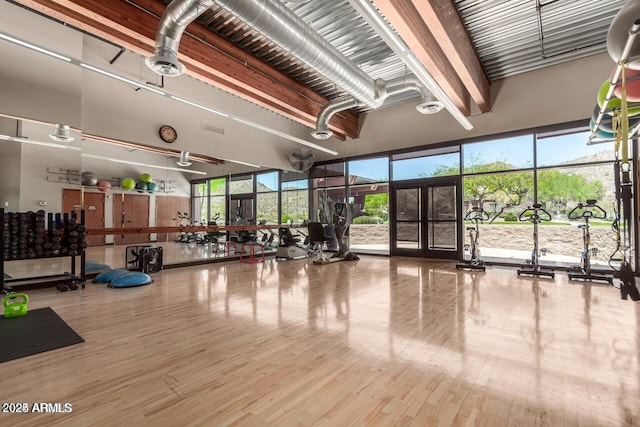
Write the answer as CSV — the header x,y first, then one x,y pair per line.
x,y
475,215
535,215
583,271
213,238
186,221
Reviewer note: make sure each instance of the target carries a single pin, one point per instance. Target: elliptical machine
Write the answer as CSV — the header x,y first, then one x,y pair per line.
x,y
475,215
341,225
585,212
535,215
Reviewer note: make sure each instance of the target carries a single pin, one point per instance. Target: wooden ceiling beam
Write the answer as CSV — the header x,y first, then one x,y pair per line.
x,y
207,57
443,20
404,17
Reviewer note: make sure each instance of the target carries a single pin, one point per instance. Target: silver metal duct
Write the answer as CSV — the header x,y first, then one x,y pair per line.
x,y
283,27
393,87
184,159
334,106
62,134
276,22
176,17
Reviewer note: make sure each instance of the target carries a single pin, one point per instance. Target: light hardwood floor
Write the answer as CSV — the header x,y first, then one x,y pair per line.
x,y
381,341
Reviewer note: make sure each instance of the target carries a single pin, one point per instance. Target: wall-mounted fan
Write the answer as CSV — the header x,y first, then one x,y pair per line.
x,y
301,160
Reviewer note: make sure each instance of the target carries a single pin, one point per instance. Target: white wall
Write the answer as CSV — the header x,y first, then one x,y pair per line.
x,y
34,85
9,166
552,95
116,110
10,175
35,161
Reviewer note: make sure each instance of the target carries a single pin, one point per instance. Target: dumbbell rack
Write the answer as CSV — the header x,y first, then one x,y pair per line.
x,y
58,221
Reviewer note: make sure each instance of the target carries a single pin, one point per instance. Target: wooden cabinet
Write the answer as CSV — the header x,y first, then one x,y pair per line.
x,y
130,211
167,208
93,205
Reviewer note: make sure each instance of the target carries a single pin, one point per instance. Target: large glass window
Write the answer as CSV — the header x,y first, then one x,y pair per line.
x,y
199,202
370,217
426,164
266,182
497,175
369,204
329,175
324,201
294,198
369,170
503,196
218,200
267,197
498,155
571,148
560,190
241,185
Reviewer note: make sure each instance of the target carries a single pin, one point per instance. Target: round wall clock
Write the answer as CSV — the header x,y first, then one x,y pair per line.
x,y
168,134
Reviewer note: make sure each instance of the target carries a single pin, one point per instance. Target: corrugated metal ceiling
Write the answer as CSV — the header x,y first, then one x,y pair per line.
x,y
507,33
336,21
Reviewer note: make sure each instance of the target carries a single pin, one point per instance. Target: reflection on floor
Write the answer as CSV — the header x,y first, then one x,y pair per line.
x,y
382,340
115,256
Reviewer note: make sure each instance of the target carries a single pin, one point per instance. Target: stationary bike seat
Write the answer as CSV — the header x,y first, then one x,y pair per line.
x,y
470,228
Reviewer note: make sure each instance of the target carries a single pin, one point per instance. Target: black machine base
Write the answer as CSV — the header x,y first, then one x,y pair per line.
x,y
471,266
580,275
530,271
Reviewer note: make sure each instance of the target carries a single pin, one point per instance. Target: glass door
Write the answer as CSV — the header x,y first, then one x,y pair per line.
x,y
441,221
425,219
407,222
241,211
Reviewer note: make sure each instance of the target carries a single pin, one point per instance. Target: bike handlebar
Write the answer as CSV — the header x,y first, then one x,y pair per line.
x,y
535,215
591,210
476,214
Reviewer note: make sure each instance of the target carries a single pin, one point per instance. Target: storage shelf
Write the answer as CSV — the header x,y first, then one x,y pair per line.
x,y
66,277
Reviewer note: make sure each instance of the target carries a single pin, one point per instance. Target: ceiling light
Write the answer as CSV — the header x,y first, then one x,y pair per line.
x,y
242,163
122,79
34,142
284,135
62,134
322,134
165,65
429,105
184,159
147,165
202,107
32,46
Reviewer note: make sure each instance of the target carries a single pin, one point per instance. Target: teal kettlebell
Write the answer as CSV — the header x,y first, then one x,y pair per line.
x,y
13,308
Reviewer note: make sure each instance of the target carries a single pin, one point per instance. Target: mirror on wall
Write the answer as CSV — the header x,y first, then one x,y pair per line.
x,y
42,91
